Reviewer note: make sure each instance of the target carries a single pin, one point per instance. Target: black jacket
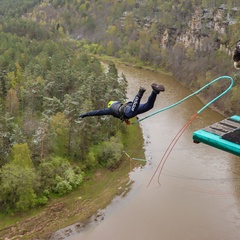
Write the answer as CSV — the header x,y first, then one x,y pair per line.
x,y
116,110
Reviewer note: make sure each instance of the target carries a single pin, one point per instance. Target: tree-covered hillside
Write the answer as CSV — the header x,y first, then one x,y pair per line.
x,y
46,82
15,8
154,33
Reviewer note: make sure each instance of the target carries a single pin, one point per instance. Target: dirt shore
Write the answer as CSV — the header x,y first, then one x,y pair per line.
x,y
77,208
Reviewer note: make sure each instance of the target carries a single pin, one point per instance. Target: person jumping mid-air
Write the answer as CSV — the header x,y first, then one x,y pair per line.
x,y
236,56
125,111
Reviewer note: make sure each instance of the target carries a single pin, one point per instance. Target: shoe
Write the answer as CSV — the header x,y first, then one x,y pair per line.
x,y
141,91
157,88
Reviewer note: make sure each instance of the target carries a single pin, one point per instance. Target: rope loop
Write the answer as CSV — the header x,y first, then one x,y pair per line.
x,y
194,93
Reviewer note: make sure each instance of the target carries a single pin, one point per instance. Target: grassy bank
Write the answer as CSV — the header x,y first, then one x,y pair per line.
x,y
97,192
107,59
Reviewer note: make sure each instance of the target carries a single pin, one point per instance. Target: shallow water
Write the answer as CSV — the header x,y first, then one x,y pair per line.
x,y
199,195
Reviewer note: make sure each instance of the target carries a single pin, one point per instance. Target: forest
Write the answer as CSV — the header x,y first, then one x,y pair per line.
x,y
133,31
44,86
49,75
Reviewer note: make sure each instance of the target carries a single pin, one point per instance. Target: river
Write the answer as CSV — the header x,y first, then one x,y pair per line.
x,y
199,195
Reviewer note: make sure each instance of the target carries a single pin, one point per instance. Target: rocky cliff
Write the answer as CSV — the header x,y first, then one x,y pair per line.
x,y
205,31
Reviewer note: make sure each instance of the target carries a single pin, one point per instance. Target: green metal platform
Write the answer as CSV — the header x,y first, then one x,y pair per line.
x,y
224,135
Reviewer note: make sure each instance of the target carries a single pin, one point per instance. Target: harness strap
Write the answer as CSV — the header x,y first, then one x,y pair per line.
x,y
121,111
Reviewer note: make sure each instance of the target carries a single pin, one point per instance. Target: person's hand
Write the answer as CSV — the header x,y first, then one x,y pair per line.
x,y
81,116
127,121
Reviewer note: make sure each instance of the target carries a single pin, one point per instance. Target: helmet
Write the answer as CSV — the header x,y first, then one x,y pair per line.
x,y
110,103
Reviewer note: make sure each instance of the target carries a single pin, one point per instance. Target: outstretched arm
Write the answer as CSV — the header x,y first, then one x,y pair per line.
x,y
101,112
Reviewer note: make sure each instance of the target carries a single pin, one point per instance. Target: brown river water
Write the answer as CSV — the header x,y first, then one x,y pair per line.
x,y
199,196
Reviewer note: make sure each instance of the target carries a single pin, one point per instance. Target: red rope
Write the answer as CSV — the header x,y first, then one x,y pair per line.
x,y
170,148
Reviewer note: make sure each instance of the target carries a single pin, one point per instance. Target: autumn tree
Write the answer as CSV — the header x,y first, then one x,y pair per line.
x,y
12,102
58,136
18,180
57,175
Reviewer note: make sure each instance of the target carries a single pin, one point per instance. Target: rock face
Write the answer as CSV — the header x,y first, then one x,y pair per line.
x,y
205,30
202,22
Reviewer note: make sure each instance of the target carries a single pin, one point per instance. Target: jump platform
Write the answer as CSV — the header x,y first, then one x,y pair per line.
x,y
224,135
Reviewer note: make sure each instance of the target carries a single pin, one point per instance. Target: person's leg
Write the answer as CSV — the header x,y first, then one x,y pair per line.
x,y
137,108
151,100
144,107
132,109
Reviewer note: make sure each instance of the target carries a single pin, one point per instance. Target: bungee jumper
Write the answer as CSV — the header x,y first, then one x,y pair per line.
x,y
125,111
236,56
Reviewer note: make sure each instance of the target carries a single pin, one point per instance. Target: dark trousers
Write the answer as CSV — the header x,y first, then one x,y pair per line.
x,y
136,108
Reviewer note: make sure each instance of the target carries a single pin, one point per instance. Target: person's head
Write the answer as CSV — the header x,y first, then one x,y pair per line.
x,y
110,103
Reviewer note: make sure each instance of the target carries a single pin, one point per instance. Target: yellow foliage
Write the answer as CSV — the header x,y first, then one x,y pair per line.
x,y
12,102
21,155
112,30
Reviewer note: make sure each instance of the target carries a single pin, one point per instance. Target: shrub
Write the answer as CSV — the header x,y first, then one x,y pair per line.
x,y
57,175
109,152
